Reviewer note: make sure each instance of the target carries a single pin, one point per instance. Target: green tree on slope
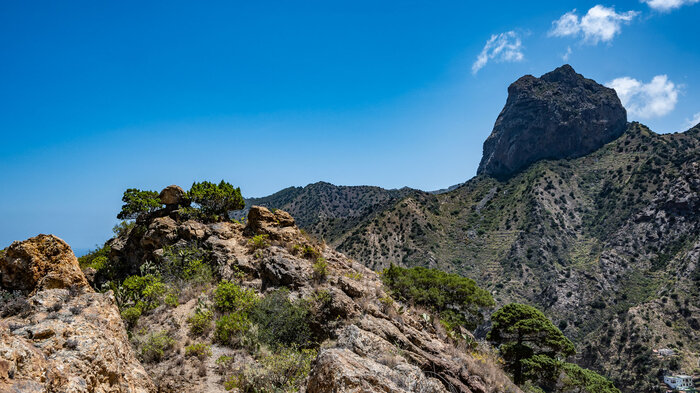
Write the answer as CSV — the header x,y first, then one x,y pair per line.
x,y
523,332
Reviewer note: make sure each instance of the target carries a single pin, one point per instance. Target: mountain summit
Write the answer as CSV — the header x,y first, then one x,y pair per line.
x,y
559,115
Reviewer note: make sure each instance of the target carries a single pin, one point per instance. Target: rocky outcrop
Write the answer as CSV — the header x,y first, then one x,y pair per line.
x,y
371,345
63,337
41,262
559,115
173,196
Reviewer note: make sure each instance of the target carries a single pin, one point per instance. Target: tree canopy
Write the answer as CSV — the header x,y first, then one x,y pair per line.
x,y
137,202
524,332
457,299
216,199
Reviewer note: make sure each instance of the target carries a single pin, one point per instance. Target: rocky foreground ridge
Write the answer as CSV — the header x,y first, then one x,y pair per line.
x,y
62,336
59,335
559,115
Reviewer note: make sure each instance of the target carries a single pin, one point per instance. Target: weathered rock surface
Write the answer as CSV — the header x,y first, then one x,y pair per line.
x,y
41,262
64,337
559,115
173,196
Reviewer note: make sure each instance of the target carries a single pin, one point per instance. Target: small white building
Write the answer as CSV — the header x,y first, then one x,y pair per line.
x,y
679,382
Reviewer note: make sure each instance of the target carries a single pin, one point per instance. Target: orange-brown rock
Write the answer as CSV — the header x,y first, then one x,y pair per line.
x,y
63,337
41,262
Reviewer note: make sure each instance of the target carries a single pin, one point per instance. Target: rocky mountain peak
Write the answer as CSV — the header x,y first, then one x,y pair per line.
x,y
559,115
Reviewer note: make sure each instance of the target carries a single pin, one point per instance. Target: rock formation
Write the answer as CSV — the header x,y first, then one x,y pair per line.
x,y
63,337
42,262
373,346
559,115
173,196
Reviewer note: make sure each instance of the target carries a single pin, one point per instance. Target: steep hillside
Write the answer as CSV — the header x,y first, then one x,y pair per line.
x,y
606,244
329,211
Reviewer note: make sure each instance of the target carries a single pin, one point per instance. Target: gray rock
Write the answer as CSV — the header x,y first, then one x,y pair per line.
x,y
559,115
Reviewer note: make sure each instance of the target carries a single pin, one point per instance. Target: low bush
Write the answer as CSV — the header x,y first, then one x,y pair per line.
x,y
230,297
282,322
231,328
155,346
96,259
320,269
310,252
200,322
199,350
142,291
283,371
258,242
131,315
458,300
189,263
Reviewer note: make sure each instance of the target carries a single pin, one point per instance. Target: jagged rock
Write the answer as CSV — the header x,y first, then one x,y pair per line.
x,y
280,270
559,115
284,219
67,337
263,221
173,196
161,231
341,370
193,230
41,262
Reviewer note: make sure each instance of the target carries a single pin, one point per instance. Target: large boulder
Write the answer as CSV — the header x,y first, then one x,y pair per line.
x,y
173,196
41,262
63,337
559,115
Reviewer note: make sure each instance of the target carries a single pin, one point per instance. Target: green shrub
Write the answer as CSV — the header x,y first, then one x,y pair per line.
x,y
188,263
171,299
96,259
310,252
144,291
258,242
283,371
357,276
320,269
216,200
200,321
229,297
590,381
137,202
123,228
282,322
230,328
199,350
155,346
131,315
458,300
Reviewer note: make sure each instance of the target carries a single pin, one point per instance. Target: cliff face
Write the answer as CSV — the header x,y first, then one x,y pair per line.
x,y
559,115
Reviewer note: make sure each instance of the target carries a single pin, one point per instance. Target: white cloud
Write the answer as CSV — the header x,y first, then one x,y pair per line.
x,y
668,5
500,47
599,24
646,100
692,122
568,53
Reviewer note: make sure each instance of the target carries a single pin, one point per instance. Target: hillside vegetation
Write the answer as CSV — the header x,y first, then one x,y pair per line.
x,y
606,244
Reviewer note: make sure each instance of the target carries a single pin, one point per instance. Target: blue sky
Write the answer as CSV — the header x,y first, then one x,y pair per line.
x,y
96,98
